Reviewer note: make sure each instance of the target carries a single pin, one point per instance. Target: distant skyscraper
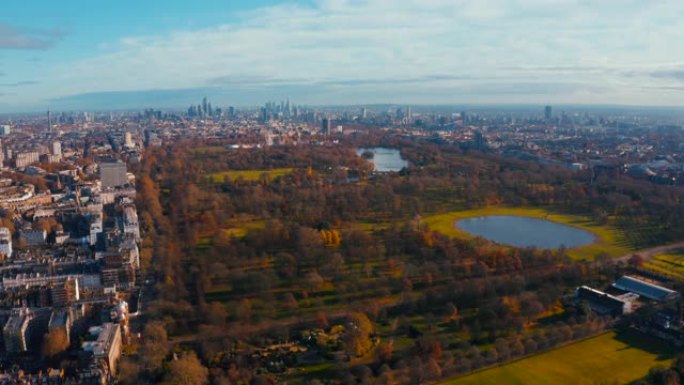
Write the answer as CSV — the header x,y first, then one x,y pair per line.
x,y
364,113
128,140
49,123
57,148
326,126
408,114
231,112
548,112
204,106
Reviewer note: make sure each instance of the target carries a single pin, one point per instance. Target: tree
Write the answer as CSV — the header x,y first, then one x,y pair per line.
x,y
187,370
357,337
128,371
452,312
54,342
636,260
432,370
153,350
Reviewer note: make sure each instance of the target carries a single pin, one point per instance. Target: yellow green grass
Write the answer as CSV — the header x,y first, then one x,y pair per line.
x,y
241,230
671,265
609,241
248,175
608,358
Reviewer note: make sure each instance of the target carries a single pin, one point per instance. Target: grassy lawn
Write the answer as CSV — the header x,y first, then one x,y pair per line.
x,y
608,240
248,175
671,265
240,230
608,358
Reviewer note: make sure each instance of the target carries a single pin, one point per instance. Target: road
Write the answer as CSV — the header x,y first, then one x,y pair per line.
x,y
647,254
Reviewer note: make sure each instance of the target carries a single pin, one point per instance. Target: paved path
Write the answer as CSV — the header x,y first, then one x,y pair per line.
x,y
647,254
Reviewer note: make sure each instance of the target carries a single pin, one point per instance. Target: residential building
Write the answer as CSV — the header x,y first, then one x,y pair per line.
x,y
5,243
107,346
113,174
16,331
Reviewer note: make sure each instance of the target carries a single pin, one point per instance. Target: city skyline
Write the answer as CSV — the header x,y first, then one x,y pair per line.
x,y
167,54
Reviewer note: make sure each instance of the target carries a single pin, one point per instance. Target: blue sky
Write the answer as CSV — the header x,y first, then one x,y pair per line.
x,y
88,54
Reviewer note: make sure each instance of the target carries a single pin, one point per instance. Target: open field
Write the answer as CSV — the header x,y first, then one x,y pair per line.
x,y
248,175
608,358
671,264
608,240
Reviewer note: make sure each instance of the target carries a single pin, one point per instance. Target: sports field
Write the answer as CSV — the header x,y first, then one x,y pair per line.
x,y
608,358
608,240
248,175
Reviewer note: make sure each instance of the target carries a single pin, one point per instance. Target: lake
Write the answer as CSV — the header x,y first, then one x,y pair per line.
x,y
385,159
525,232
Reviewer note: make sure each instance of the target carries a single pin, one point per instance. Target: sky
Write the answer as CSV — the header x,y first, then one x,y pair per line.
x,y
98,54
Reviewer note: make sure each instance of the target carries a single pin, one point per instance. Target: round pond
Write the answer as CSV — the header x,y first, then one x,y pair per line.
x,y
525,232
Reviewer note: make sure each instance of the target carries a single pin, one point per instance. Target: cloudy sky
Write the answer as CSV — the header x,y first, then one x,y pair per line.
x,y
80,54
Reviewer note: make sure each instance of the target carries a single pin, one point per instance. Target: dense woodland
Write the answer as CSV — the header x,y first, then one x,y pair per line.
x,y
335,250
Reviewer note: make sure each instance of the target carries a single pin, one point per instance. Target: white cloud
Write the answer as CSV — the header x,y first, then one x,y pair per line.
x,y
576,51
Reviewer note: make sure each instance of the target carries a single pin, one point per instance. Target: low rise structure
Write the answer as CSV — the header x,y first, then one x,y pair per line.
x,y
603,303
645,289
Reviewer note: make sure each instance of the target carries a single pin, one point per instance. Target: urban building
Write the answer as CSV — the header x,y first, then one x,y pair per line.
x,y
60,322
128,140
56,148
16,331
113,174
24,159
107,346
33,238
5,243
63,293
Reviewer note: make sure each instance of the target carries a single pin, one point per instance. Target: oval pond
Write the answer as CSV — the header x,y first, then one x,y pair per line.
x,y
525,232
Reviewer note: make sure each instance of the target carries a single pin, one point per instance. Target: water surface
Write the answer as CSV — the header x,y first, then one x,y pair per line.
x,y
385,159
525,232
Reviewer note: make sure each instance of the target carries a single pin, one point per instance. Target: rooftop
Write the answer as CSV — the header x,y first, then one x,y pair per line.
x,y
643,288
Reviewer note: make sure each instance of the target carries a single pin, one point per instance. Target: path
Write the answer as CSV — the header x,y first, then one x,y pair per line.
x,y
647,254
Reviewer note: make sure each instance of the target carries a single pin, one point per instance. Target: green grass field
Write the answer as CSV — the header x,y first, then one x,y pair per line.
x,y
241,230
608,240
608,358
671,265
248,175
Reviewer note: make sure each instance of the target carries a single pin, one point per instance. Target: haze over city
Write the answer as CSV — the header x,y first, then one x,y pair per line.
x,y
166,54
